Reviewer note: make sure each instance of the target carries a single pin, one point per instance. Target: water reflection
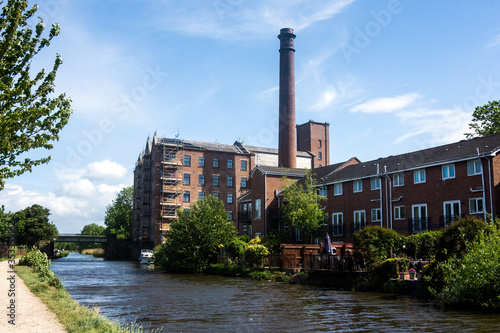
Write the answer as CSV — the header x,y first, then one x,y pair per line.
x,y
127,291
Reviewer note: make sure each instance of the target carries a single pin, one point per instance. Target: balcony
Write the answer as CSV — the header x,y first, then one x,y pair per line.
x,y
418,225
244,216
356,226
336,230
446,220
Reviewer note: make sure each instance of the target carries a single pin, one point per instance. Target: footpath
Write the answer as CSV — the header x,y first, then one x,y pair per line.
x,y
18,305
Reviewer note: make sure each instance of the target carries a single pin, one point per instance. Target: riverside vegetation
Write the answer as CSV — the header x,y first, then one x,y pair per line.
x,y
34,270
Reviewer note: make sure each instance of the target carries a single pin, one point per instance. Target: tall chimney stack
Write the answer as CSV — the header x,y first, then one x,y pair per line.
x,y
287,147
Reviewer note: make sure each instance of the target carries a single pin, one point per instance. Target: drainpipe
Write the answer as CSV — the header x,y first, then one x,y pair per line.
x,y
489,184
389,201
381,202
265,203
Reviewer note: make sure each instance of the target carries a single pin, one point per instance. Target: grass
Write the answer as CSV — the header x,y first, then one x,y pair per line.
x,y
95,252
75,317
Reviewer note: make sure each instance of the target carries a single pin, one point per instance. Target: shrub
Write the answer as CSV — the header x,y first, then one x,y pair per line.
x,y
454,240
40,263
376,243
422,245
472,281
254,255
236,248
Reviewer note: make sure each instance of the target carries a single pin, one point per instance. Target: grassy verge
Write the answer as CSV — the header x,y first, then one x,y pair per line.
x,y
100,253
255,273
75,317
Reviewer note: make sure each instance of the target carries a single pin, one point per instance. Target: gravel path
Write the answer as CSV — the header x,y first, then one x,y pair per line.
x,y
30,314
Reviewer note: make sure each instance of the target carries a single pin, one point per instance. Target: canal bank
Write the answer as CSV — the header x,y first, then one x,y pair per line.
x,y
22,310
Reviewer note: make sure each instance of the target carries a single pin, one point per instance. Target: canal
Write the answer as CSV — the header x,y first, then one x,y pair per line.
x,y
126,291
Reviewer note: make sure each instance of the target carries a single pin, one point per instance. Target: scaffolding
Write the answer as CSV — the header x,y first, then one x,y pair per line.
x,y
171,183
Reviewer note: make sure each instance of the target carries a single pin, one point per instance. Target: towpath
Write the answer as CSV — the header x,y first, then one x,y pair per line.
x,y
29,313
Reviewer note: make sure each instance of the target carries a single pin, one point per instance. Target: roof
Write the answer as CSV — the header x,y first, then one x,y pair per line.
x,y
280,171
462,150
274,151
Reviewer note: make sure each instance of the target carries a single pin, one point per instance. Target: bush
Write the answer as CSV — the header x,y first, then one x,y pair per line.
x,y
254,255
40,263
376,243
236,248
472,281
454,240
422,245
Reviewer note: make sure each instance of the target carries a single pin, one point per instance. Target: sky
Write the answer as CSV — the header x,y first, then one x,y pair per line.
x,y
388,76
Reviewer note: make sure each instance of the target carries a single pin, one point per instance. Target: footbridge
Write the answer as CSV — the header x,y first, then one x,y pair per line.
x,y
74,238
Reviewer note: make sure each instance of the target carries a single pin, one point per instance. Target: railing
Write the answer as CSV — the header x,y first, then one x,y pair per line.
x,y
446,220
356,226
171,202
244,216
418,225
334,262
336,230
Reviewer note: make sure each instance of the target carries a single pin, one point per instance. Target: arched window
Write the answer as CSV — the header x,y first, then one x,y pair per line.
x,y
320,156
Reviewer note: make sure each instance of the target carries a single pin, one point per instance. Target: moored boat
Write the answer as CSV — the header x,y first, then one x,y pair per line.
x,y
146,256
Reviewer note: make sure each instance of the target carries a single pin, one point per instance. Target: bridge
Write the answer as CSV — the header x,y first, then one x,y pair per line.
x,y
73,238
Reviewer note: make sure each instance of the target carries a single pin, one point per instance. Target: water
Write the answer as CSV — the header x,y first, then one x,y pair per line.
x,y
127,291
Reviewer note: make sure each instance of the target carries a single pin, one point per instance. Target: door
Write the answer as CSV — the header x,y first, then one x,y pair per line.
x,y
420,218
451,211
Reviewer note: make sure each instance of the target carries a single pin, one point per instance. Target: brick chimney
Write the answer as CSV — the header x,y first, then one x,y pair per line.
x,y
287,147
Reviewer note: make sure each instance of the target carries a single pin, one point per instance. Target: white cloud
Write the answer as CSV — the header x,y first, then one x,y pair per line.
x,y
387,104
105,171
241,19
80,188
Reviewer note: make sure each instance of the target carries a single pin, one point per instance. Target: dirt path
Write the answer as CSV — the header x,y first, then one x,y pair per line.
x,y
30,314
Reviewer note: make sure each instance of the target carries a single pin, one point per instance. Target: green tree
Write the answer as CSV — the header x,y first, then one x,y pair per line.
x,y
30,117
33,225
93,229
485,120
377,243
119,214
302,204
5,225
194,239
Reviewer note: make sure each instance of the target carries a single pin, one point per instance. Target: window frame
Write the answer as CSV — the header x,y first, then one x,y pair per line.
x,y
397,213
230,163
215,180
188,194
186,179
448,171
420,179
474,166
375,183
357,186
323,191
378,214
244,182
230,181
337,189
243,163
187,160
201,179
258,209
400,176
215,162
476,200
201,161
229,201
201,195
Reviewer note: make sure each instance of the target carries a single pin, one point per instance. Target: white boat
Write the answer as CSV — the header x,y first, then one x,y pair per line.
x,y
146,256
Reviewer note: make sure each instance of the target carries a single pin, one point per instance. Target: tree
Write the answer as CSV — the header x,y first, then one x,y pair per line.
x,y
485,120
5,225
119,214
93,229
33,226
302,204
30,117
194,239
376,243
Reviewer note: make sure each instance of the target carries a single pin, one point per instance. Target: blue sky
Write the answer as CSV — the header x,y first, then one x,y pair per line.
x,y
389,76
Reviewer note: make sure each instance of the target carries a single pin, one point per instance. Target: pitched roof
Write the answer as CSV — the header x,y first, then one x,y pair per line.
x,y
280,171
462,150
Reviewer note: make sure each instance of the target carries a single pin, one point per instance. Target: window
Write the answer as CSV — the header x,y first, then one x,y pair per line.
x,y
451,211
201,161
201,195
187,179
398,179
229,215
420,220
357,186
243,165
229,198
337,189
216,195
337,224
474,168
229,163
187,160
359,220
376,214
399,213
229,181
320,156
323,191
448,171
187,196
243,182
375,183
216,163
216,180
201,180
298,235
476,206
419,176
319,143
258,212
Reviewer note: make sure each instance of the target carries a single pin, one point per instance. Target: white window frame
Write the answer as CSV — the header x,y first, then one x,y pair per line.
x,y
357,186
419,206
258,210
397,213
337,189
377,213
375,183
338,220
419,176
473,206
323,191
474,167
448,171
359,218
398,179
